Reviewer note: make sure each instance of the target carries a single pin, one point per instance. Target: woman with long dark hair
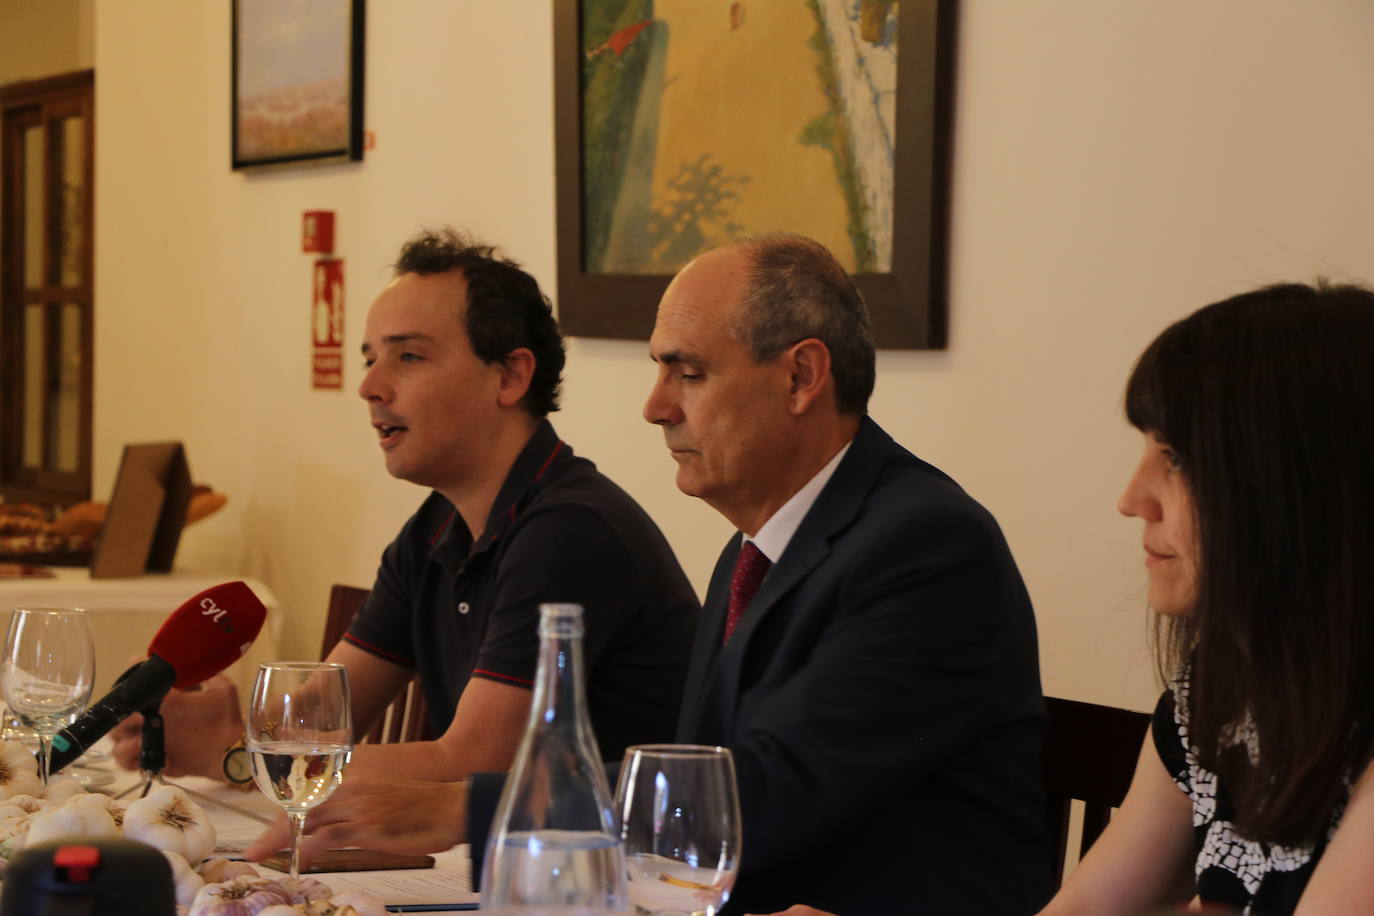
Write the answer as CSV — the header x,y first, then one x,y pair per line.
x,y
1256,488
1255,789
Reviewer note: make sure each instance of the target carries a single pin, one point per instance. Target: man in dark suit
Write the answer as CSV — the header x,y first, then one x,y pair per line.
x,y
867,648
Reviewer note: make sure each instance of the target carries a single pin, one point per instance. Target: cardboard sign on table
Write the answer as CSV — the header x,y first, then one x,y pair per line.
x,y
147,512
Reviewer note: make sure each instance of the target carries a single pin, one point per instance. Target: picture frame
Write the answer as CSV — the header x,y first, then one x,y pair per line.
x,y
147,512
297,82
908,302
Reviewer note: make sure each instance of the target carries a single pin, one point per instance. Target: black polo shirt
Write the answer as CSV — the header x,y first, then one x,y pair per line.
x,y
559,531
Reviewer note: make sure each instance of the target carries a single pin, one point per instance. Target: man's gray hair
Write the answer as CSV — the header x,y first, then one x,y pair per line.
x,y
796,290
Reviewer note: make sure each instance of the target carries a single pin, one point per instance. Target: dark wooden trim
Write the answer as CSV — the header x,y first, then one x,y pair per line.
x,y
908,306
41,295
45,103
87,443
29,92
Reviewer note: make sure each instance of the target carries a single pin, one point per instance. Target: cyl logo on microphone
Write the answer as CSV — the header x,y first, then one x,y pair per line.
x,y
216,613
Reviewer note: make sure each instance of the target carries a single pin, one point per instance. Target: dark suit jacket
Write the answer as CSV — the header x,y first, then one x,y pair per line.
x,y
881,696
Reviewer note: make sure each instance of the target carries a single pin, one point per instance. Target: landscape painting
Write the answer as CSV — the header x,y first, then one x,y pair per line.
x,y
685,124
707,121
297,81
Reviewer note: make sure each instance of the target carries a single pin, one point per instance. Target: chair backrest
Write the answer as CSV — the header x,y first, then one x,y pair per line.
x,y
1090,754
404,719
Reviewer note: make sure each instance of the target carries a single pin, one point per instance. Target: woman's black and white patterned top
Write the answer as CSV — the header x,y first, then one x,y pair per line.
x,y
1256,877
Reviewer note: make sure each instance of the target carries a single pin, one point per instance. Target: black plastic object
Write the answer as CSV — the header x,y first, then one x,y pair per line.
x,y
89,877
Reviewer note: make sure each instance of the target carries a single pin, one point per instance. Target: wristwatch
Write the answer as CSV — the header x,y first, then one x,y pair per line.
x,y
236,767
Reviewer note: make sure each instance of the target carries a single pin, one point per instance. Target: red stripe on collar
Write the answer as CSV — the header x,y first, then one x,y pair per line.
x,y
439,532
549,460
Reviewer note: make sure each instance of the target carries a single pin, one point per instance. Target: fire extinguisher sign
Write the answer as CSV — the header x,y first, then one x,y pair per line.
x,y
326,324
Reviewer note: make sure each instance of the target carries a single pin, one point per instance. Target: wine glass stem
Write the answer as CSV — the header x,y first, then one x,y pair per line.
x,y
297,820
44,755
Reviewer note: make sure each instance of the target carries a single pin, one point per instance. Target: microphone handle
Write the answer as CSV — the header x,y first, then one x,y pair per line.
x,y
145,684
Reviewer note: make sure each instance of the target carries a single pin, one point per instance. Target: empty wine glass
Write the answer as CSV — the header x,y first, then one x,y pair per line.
x,y
299,737
680,824
48,670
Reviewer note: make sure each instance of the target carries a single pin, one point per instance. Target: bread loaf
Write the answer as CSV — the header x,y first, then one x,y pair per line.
x,y
82,518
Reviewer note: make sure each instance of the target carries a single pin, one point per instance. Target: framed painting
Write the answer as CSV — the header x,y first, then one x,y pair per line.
x,y
297,81
682,125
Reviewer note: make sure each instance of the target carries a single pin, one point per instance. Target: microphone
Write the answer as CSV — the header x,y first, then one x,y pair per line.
x,y
208,633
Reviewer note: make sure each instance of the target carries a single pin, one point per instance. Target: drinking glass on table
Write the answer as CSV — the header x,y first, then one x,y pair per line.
x,y
12,728
47,672
680,825
299,737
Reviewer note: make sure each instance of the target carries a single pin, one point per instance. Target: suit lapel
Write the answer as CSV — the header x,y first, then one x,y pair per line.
x,y
714,674
707,645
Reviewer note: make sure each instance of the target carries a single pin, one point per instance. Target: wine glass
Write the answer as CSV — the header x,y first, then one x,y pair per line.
x,y
299,737
680,824
48,670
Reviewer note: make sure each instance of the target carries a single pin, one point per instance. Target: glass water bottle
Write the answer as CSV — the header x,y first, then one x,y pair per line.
x,y
555,841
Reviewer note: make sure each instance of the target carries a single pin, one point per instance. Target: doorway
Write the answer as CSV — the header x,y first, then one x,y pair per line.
x,y
47,128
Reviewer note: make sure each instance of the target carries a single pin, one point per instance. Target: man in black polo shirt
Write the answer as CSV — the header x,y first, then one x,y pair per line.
x,y
463,362
458,397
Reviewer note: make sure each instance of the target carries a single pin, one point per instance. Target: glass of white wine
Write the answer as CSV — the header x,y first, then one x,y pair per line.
x,y
299,737
48,670
680,823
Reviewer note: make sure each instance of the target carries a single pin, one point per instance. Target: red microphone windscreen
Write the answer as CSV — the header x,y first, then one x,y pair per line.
x,y
209,632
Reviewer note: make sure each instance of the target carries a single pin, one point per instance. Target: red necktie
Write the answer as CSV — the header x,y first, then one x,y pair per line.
x,y
750,568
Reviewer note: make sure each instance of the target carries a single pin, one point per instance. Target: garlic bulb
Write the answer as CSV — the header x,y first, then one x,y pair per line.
x,y
12,830
18,771
359,902
114,806
14,826
61,788
302,890
184,879
70,821
219,870
23,805
15,814
348,903
167,819
239,897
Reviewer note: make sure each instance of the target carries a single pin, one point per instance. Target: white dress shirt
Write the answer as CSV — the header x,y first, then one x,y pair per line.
x,y
772,539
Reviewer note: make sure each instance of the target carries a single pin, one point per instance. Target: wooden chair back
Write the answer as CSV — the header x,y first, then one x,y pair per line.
x,y
404,719
1090,755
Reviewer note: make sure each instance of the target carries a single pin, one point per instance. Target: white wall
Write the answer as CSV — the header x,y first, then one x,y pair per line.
x,y
44,37
1117,165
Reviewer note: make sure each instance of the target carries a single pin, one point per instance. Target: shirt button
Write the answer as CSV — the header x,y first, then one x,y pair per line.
x,y
463,607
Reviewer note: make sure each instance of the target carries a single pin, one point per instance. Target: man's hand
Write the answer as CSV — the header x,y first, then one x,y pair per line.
x,y
200,723
386,813
801,911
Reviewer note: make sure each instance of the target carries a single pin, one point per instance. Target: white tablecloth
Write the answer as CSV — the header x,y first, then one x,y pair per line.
x,y
397,886
125,613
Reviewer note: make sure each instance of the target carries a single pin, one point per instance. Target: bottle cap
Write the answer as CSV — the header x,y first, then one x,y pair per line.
x,y
560,620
